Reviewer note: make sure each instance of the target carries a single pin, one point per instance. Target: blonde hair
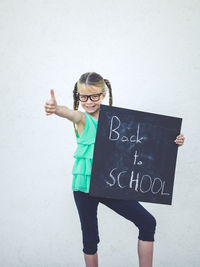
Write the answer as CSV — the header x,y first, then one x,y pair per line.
x,y
91,78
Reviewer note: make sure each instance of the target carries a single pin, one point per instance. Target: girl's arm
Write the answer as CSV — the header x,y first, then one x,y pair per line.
x,y
65,112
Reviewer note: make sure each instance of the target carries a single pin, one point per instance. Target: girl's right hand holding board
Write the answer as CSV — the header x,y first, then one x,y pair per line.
x,y
50,106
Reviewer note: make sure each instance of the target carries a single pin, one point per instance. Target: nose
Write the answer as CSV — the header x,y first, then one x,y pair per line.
x,y
89,100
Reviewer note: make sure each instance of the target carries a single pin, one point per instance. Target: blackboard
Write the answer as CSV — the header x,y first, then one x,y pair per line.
x,y
134,155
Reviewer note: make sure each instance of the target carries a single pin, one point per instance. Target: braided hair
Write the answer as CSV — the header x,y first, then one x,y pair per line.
x,y
91,78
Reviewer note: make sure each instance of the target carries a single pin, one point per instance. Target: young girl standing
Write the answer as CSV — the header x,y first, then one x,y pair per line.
x,y
90,90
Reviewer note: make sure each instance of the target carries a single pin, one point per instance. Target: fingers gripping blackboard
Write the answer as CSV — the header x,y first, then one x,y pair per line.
x,y
134,155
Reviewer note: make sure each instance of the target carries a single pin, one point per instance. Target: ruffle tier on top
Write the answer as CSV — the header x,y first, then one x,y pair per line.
x,y
84,156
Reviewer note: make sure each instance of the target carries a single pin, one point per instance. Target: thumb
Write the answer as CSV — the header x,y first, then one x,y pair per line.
x,y
52,95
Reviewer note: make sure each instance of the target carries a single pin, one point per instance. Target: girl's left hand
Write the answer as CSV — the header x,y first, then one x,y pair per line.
x,y
179,140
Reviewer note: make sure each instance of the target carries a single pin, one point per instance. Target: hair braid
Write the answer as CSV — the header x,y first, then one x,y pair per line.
x,y
76,101
110,91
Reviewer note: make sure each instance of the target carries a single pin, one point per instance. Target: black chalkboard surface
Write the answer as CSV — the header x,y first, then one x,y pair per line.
x,y
134,155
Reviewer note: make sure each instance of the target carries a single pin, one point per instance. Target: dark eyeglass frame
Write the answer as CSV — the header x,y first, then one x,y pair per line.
x,y
89,96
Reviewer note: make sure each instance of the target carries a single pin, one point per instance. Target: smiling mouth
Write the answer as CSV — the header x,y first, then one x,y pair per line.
x,y
90,106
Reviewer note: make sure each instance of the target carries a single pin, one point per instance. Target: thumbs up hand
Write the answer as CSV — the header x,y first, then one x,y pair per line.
x,y
50,106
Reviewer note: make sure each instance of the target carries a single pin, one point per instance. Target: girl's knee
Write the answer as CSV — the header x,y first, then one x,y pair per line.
x,y
153,223
149,223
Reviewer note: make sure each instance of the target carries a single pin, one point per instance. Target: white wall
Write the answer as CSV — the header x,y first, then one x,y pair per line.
x,y
150,52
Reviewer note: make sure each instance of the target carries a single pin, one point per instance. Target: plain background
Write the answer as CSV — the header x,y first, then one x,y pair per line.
x,y
150,52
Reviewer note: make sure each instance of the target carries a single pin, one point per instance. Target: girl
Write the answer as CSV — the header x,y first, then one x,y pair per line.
x,y
90,90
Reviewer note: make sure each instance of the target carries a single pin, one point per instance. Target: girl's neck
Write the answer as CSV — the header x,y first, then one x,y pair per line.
x,y
94,115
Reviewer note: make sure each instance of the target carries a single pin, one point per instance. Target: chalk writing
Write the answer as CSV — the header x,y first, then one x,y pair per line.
x,y
114,135
143,183
150,183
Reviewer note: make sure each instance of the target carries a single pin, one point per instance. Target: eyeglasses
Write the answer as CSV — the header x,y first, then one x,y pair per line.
x,y
93,98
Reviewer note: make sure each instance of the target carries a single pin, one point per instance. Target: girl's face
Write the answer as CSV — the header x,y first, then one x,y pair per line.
x,y
90,106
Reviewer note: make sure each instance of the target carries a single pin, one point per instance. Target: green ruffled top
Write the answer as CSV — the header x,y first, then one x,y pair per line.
x,y
84,155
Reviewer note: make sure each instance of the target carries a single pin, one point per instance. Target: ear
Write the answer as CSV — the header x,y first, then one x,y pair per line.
x,y
103,95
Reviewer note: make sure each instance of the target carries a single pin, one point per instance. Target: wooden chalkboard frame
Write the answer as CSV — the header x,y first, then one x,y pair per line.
x,y
134,155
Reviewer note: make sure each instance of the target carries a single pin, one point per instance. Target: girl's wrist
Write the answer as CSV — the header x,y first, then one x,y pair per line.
x,y
56,111
59,110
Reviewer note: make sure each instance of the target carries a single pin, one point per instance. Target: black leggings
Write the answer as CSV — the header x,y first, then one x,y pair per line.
x,y
129,209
